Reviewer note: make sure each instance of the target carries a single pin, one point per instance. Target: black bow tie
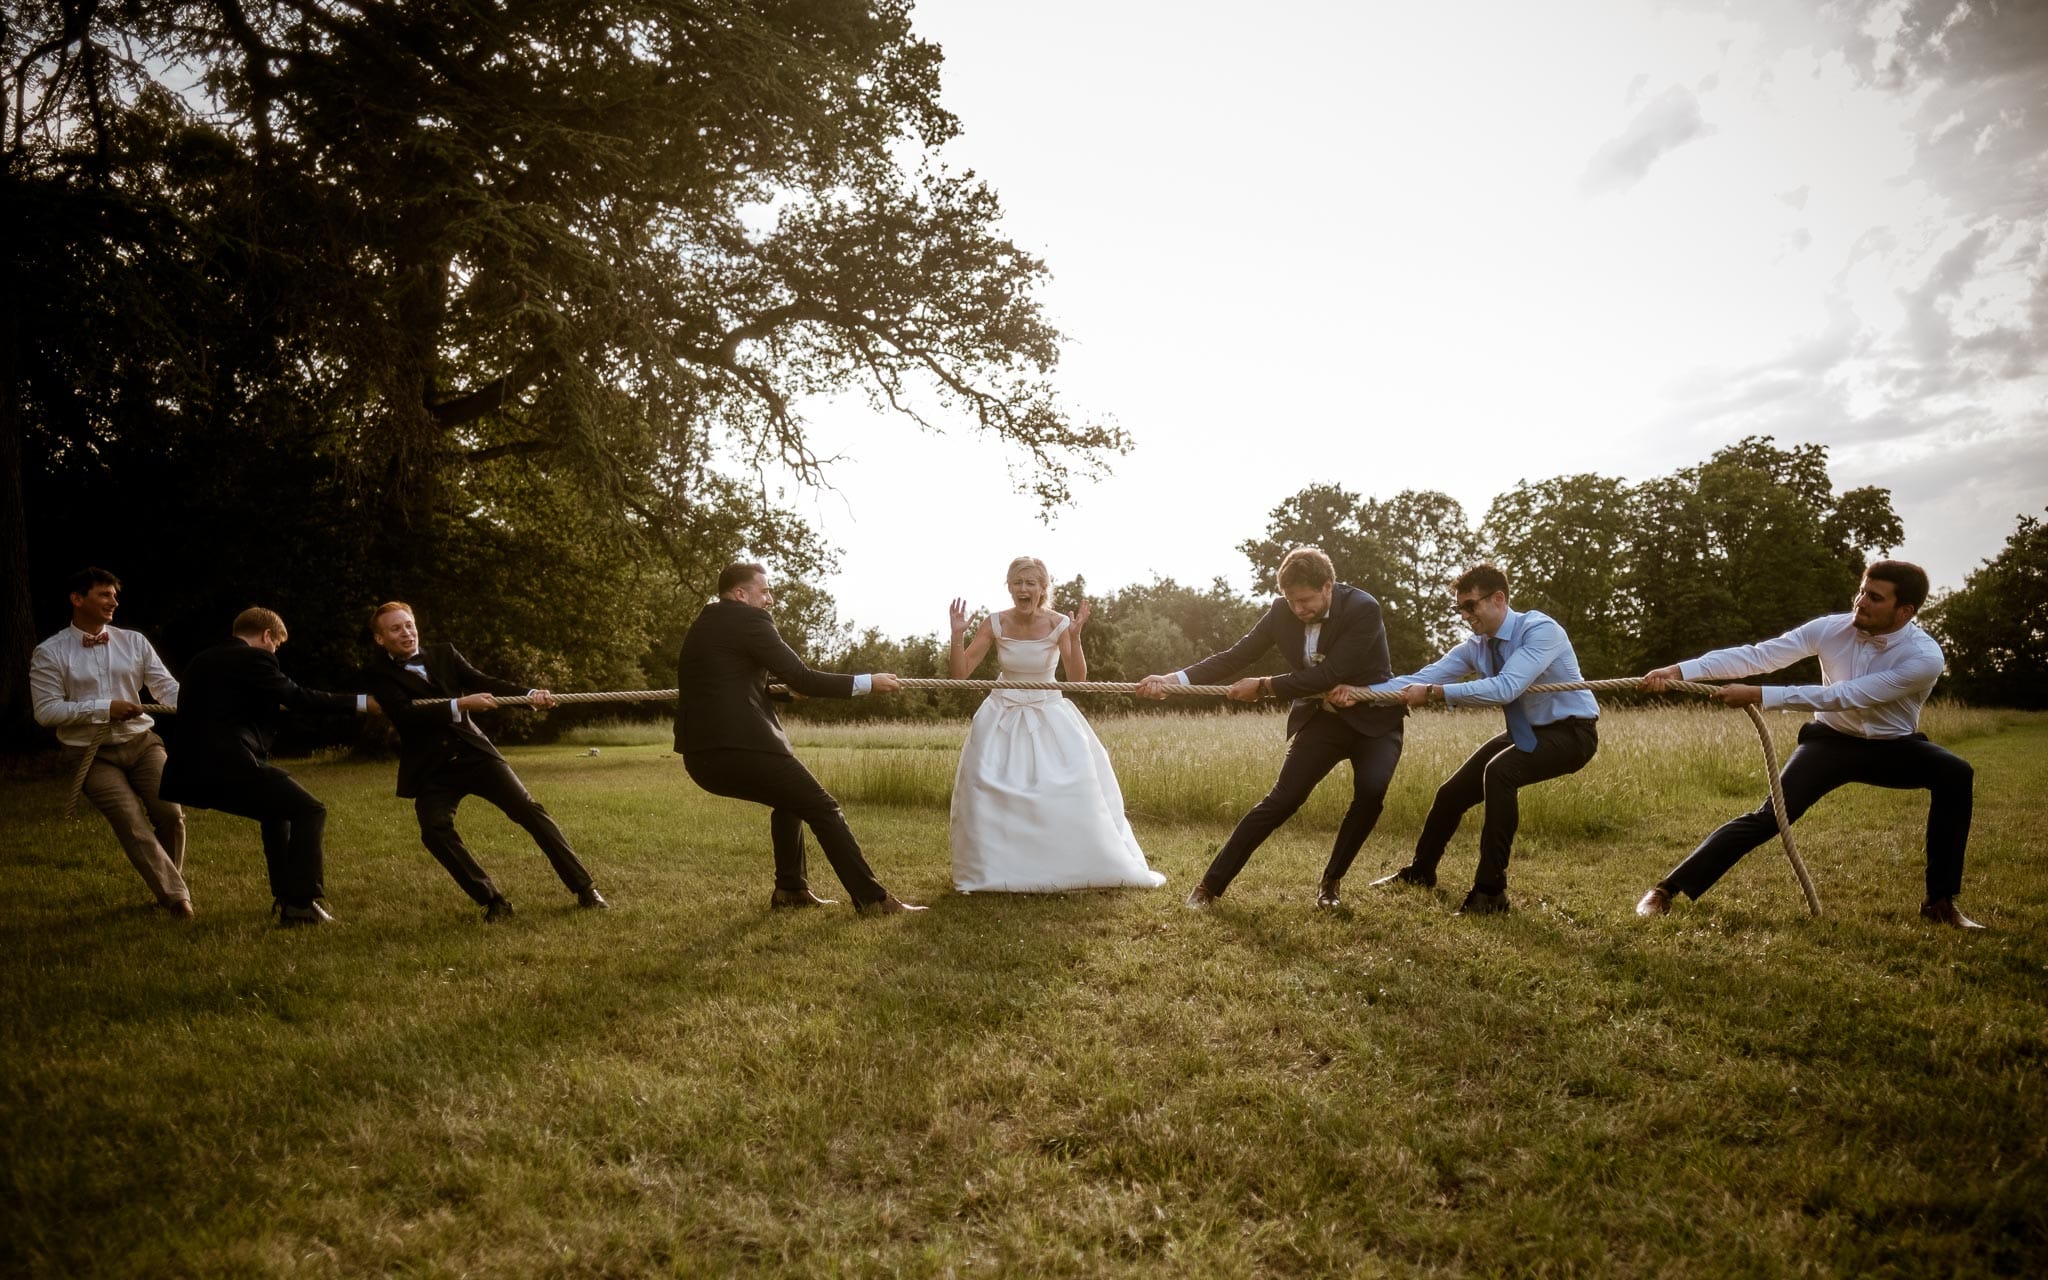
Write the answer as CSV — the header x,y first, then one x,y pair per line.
x,y
415,660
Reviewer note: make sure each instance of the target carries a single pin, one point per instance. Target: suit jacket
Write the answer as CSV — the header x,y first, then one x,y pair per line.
x,y
1352,649
232,701
722,681
429,738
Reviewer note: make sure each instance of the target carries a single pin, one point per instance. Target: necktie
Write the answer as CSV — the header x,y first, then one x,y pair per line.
x,y
104,637
1519,728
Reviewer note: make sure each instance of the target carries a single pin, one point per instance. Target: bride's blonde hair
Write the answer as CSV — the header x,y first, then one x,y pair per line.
x,y
1044,576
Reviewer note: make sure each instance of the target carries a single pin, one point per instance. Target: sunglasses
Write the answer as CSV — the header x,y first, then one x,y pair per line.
x,y
1469,607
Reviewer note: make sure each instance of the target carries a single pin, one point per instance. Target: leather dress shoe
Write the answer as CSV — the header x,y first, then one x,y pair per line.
x,y
497,909
290,917
889,906
1945,911
788,898
1481,903
1657,902
180,908
591,900
1327,897
1199,898
1407,875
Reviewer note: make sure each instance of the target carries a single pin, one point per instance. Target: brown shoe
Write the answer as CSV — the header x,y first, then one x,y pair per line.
x,y
180,909
789,898
1657,902
1199,898
1326,896
889,906
1945,911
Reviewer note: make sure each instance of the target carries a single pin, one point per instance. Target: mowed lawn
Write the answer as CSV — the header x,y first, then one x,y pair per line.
x,y
1088,1084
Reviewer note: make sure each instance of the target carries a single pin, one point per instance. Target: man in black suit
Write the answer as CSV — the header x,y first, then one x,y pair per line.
x,y
732,744
443,756
232,700
1331,633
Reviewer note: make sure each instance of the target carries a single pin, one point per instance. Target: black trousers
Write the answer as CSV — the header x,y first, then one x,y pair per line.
x,y
1826,759
1323,743
492,780
294,826
795,799
1494,776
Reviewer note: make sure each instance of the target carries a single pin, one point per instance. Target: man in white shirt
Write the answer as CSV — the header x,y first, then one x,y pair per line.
x,y
86,682
1877,667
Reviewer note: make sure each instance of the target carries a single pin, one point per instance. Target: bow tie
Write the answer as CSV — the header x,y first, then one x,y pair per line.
x,y
418,659
104,637
1876,642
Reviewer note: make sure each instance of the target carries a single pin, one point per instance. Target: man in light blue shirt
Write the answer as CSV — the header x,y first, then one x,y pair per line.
x,y
1548,735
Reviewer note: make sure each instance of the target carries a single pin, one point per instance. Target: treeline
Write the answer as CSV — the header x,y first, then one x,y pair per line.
x,y
1745,545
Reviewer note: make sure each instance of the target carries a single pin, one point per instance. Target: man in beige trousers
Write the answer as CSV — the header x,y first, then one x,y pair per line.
x,y
87,682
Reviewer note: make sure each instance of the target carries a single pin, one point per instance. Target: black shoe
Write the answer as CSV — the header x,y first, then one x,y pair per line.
x,y
290,917
497,909
792,899
1199,898
1481,903
1408,875
591,900
1326,896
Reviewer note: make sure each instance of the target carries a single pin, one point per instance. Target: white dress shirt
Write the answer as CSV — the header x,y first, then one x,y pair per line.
x,y
1872,686
73,687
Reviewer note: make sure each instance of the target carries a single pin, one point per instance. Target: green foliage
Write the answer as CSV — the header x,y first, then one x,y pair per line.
x,y
446,296
1994,628
1405,551
1749,544
1563,544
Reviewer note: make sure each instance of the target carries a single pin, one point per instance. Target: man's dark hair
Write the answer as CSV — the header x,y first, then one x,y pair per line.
x,y
82,582
735,575
1483,578
1909,581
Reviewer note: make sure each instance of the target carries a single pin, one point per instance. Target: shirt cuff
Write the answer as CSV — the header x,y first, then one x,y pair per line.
x,y
1181,676
454,712
102,710
862,684
1690,669
1776,697
362,704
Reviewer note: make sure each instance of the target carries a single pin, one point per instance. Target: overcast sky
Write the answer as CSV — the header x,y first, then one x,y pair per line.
x,y
1452,247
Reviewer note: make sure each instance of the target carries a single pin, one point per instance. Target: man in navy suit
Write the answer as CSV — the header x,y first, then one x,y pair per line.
x,y
1330,633
732,743
443,756
232,701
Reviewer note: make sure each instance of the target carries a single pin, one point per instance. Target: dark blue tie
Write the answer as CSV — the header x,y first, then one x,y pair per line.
x,y
1519,728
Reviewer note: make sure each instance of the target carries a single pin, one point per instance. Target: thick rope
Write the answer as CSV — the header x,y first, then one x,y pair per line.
x,y
1626,684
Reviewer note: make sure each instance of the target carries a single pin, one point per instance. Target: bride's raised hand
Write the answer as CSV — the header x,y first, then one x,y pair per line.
x,y
1079,617
958,616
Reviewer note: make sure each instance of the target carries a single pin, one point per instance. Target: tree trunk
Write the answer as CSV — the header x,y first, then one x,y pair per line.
x,y
17,613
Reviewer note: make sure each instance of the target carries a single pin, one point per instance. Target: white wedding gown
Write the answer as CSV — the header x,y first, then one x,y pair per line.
x,y
1036,807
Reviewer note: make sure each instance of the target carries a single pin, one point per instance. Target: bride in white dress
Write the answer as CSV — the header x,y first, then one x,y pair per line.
x,y
1036,807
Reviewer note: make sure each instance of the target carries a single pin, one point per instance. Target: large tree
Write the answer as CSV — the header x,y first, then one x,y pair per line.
x,y
445,255
1405,550
1564,545
1748,544
1994,628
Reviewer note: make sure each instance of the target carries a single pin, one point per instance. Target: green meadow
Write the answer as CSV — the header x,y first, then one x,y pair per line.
x,y
1089,1084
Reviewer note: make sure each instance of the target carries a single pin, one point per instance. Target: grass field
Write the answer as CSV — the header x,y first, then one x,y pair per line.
x,y
1090,1084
